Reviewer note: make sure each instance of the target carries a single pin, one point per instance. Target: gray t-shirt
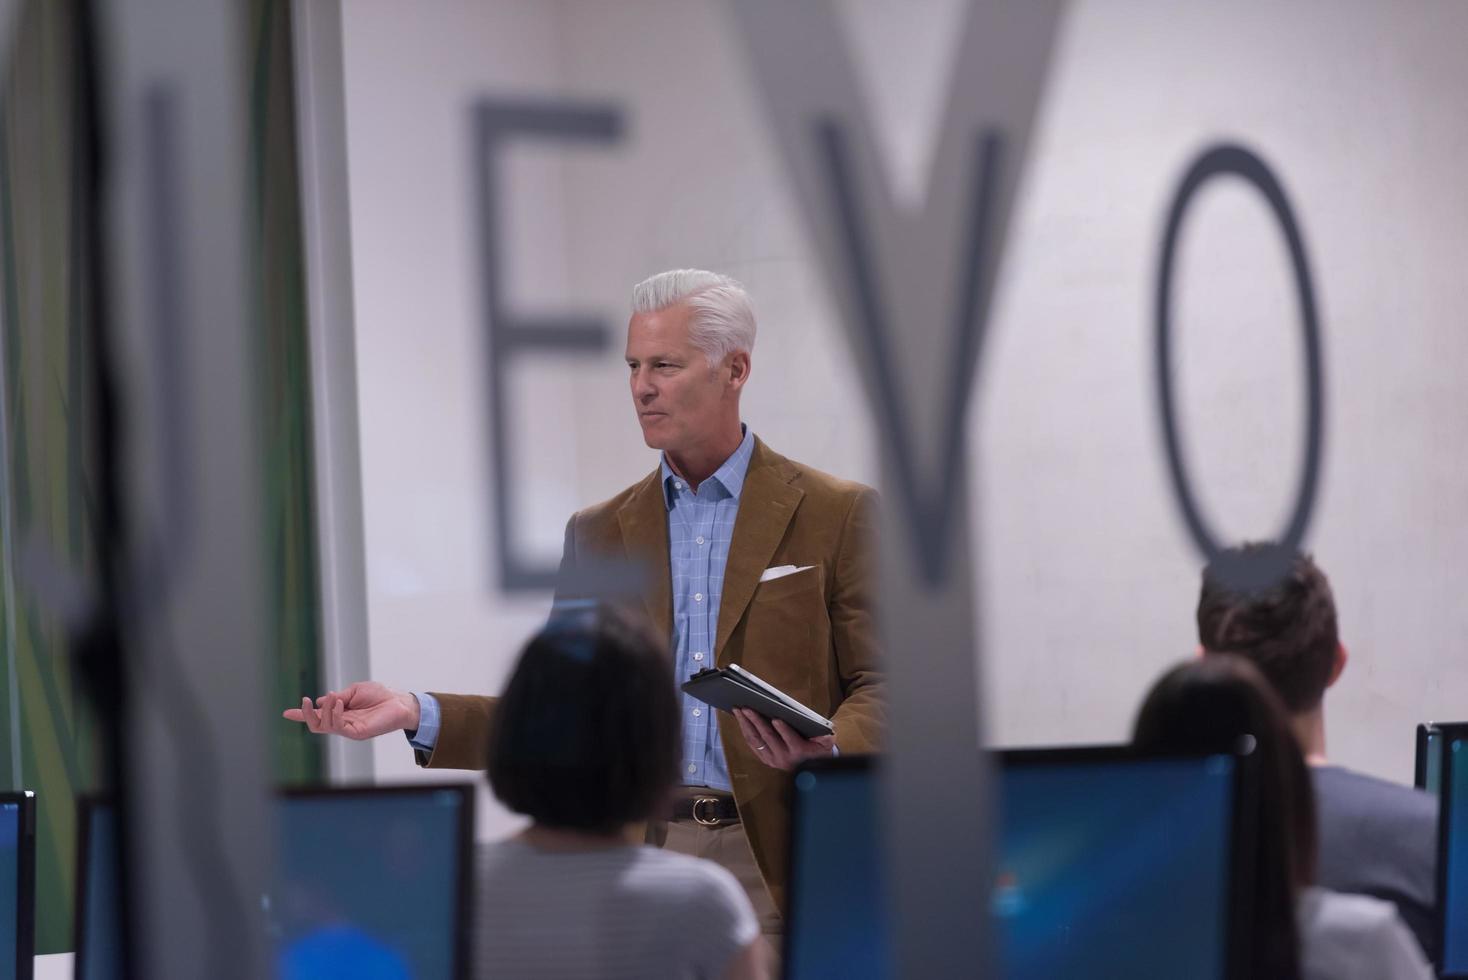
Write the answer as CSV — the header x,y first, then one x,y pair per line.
x,y
1379,839
1353,937
630,912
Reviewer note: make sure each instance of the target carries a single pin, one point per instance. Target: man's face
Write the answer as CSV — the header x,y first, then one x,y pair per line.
x,y
681,402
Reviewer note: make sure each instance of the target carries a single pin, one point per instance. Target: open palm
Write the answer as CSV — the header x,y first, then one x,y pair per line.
x,y
364,710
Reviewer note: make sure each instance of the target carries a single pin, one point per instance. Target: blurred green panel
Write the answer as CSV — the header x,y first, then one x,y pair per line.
x,y
48,734
47,502
285,386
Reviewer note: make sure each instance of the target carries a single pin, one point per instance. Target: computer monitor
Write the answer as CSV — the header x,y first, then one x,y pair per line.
x,y
98,927
17,884
1427,766
1452,853
374,882
371,881
1110,864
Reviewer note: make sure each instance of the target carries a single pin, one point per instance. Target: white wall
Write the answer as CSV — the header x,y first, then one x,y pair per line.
x,y
1357,107
435,619
1088,576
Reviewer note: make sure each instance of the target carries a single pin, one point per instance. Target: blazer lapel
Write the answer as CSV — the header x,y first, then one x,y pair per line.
x,y
644,523
766,505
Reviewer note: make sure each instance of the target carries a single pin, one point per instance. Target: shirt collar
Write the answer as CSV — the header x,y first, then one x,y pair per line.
x,y
730,474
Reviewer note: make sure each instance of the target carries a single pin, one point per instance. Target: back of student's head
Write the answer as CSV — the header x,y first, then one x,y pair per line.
x,y
1275,608
586,735
1222,703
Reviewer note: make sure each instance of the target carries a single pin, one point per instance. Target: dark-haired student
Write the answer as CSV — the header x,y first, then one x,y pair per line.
x,y
1376,838
586,744
1300,931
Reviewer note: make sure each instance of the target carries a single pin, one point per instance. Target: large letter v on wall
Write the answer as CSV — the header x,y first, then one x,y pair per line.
x,y
913,287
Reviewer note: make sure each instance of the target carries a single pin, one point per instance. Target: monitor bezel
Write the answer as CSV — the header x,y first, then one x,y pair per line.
x,y
25,882
1445,805
1419,758
86,807
1419,762
463,886
1237,934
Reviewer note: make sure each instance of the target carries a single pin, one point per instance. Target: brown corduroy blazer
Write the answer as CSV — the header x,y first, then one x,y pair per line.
x,y
809,633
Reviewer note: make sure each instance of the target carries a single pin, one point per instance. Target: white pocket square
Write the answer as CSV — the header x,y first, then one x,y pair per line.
x,y
780,571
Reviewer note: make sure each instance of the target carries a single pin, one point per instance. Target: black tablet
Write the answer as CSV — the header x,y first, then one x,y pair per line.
x,y
734,687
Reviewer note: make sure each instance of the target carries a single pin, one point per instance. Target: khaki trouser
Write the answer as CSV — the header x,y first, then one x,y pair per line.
x,y
727,846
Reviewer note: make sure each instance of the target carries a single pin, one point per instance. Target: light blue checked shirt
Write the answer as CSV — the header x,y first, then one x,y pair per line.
x,y
700,528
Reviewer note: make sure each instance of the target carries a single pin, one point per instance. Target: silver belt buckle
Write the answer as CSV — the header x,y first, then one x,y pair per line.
x,y
698,816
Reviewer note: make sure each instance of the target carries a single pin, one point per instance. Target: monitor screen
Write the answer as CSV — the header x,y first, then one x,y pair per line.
x,y
1108,867
372,883
369,883
17,883
1453,856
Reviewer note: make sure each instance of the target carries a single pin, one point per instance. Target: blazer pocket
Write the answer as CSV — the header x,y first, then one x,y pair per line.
x,y
786,634
792,584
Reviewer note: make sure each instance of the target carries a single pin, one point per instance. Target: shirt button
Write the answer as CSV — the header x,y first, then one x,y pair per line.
x,y
697,712
698,656
699,539
698,597
692,767
677,485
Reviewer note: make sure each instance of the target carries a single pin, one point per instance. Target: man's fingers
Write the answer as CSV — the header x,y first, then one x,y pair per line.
x,y
309,716
767,735
338,714
292,714
745,728
327,706
749,724
789,737
775,752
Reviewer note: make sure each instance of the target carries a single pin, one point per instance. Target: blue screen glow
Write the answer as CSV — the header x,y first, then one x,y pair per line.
x,y
1455,890
10,815
365,888
1115,869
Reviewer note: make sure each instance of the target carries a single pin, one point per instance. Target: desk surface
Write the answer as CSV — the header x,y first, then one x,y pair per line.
x,y
53,966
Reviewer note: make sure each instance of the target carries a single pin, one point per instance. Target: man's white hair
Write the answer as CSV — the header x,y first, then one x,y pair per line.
x,y
723,318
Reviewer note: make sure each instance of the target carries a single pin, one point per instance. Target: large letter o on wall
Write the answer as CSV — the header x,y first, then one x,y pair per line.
x,y
1217,161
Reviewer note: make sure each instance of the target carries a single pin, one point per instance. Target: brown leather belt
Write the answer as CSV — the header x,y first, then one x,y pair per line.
x,y
712,809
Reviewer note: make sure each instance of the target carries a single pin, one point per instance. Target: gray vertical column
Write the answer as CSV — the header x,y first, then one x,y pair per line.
x,y
199,837
321,128
913,287
7,523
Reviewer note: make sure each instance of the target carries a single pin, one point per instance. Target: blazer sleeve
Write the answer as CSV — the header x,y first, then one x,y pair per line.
x,y
465,719
463,734
861,719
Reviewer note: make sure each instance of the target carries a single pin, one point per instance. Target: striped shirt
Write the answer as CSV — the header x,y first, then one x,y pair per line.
x,y
700,528
624,912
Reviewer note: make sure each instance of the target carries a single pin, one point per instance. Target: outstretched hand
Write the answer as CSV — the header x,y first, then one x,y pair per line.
x,y
365,710
778,745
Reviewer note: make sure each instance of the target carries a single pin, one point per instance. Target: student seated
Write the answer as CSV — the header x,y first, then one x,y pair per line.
x,y
1300,931
586,743
1376,838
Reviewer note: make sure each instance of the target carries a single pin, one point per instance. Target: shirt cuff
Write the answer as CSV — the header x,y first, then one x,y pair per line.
x,y
426,737
835,752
